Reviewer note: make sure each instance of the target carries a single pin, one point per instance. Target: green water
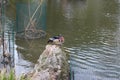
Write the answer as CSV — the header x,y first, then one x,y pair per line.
x,y
92,37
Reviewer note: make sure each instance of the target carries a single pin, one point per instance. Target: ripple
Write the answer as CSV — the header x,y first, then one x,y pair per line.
x,y
102,61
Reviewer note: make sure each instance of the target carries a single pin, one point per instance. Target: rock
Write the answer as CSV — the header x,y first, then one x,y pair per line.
x,y
52,65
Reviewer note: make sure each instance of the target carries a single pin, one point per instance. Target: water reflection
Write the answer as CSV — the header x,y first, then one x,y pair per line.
x,y
31,49
21,65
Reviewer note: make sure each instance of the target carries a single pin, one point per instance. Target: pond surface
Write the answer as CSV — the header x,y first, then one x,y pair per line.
x,y
92,33
92,37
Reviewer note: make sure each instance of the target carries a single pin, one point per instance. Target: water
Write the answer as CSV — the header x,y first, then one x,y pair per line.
x,y
91,29
92,37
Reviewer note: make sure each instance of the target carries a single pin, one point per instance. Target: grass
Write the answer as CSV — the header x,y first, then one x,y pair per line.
x,y
10,76
4,76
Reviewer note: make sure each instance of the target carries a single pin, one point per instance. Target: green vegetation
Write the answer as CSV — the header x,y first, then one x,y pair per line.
x,y
5,76
11,76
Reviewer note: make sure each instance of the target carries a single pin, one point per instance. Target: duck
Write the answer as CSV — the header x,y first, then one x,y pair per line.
x,y
59,39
